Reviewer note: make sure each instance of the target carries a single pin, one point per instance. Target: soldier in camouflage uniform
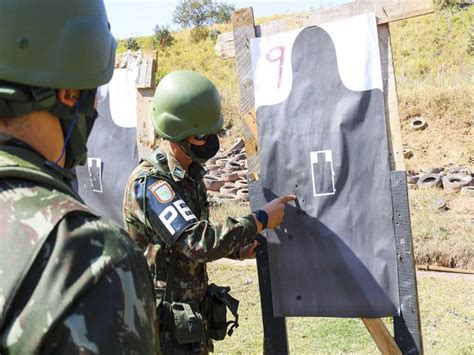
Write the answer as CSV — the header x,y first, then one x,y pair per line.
x,y
166,211
70,281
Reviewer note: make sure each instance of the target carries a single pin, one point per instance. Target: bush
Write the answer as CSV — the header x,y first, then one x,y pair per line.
x,y
445,4
132,44
199,34
162,36
214,34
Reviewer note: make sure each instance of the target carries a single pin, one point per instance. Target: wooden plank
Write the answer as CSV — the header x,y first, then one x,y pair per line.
x,y
385,10
407,326
146,71
243,30
274,329
251,135
382,337
395,146
225,45
145,131
146,83
275,340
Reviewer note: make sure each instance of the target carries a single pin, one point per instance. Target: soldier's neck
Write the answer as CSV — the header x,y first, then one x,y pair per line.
x,y
41,130
180,156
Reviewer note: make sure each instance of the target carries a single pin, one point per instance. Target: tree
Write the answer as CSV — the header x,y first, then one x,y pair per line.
x,y
163,36
132,44
224,12
194,13
197,13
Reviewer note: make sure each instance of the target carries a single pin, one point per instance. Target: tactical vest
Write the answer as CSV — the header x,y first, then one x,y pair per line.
x,y
180,321
22,164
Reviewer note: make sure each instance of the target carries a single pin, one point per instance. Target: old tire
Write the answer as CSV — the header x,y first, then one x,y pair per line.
x,y
418,123
213,183
243,195
427,181
455,182
467,191
228,188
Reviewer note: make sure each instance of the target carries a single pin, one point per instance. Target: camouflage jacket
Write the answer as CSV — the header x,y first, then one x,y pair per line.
x,y
166,207
70,281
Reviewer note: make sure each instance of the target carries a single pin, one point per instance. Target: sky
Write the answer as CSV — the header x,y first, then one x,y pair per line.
x,y
132,18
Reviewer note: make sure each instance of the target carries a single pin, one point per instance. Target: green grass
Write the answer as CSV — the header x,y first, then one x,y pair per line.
x,y
446,310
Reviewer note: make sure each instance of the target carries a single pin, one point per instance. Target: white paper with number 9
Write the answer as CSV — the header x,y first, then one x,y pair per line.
x,y
271,64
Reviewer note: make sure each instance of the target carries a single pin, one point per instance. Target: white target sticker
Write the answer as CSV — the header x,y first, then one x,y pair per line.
x,y
322,172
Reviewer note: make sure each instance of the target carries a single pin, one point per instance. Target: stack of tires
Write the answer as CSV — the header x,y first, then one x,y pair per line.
x,y
451,178
227,175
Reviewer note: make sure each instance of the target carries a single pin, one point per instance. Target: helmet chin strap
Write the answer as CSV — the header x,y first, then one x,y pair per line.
x,y
186,147
69,133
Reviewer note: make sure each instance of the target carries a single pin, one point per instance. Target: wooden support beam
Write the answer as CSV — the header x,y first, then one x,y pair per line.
x,y
385,10
381,336
275,340
145,90
244,29
394,133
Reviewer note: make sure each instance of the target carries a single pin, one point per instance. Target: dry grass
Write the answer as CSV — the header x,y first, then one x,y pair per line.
x,y
228,209
442,237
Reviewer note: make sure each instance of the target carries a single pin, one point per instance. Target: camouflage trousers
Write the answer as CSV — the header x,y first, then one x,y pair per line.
x,y
169,345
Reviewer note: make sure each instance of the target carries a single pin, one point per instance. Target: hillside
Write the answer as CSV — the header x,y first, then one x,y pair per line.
x,y
434,65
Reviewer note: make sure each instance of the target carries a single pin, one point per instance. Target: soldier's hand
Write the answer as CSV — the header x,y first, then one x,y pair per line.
x,y
276,210
248,251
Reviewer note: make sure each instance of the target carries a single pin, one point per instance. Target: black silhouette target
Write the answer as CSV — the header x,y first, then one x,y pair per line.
x,y
328,145
112,156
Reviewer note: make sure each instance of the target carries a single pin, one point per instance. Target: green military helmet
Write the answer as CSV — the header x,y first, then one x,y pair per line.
x,y
185,104
56,43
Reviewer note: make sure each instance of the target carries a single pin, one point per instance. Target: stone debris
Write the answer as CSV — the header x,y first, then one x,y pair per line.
x,y
440,203
226,178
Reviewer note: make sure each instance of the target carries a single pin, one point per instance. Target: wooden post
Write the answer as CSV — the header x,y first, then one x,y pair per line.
x,y
407,326
275,339
145,90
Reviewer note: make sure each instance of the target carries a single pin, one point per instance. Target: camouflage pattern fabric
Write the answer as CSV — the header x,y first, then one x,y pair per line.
x,y
200,243
70,281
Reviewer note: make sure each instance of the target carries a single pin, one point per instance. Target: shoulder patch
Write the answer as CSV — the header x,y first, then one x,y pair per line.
x,y
162,191
166,212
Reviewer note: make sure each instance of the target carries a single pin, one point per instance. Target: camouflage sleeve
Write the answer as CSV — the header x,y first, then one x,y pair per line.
x,y
205,242
88,291
175,224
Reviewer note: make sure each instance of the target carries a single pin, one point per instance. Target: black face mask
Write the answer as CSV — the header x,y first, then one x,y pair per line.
x,y
207,150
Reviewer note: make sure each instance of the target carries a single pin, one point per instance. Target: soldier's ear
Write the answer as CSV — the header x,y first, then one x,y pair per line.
x,y
68,97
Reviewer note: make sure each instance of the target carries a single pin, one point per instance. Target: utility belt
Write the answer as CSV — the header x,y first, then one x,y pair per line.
x,y
185,323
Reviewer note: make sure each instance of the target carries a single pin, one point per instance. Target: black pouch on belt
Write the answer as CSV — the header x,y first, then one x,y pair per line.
x,y
188,323
218,300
